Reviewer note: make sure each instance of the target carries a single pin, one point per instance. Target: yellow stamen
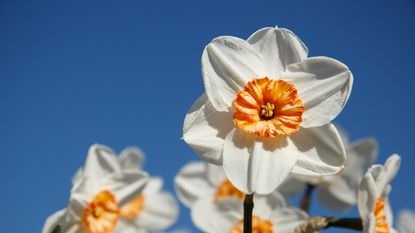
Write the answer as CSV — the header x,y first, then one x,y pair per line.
x,y
258,226
382,225
133,208
226,189
102,213
267,111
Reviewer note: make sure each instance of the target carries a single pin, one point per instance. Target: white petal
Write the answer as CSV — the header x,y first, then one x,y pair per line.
x,y
332,202
378,173
160,211
77,176
369,224
132,158
278,48
324,86
392,166
388,213
291,186
217,217
128,226
383,175
367,197
321,151
154,185
344,189
191,183
125,185
205,129
53,220
360,156
256,164
87,186
215,174
406,221
266,205
101,161
343,134
285,220
228,63
76,206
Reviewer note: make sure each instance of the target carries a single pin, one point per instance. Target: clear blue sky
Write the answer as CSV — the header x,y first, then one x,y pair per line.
x,y
120,73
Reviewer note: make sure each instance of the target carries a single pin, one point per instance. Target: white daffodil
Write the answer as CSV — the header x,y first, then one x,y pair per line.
x,y
151,210
266,110
406,221
205,189
200,180
373,201
200,186
97,195
270,214
339,191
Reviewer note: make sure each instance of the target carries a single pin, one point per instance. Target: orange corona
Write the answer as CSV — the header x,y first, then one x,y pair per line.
x,y
268,108
258,226
382,225
102,213
133,208
226,189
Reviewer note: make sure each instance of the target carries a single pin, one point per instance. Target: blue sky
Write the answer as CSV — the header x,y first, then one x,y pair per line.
x,y
121,73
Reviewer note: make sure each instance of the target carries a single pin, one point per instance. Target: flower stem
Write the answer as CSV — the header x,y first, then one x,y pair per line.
x,y
248,207
306,199
348,223
317,223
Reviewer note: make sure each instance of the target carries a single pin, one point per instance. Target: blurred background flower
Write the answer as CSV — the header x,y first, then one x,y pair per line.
x,y
125,73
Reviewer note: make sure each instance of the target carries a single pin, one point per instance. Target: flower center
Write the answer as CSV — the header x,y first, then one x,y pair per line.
x,y
133,208
102,213
258,226
382,225
267,111
226,189
268,108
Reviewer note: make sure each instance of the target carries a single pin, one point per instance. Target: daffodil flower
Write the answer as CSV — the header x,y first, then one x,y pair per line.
x,y
97,195
199,186
406,221
200,180
339,191
270,214
151,210
267,108
373,203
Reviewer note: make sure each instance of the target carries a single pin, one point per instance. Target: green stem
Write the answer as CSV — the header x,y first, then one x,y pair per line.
x,y
248,207
348,223
306,199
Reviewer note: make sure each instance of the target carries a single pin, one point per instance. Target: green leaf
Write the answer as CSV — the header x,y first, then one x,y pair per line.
x,y
57,229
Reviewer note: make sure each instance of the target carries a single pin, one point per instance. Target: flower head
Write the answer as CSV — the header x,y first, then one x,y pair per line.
x,y
200,186
98,192
151,210
266,110
270,215
373,202
201,180
339,192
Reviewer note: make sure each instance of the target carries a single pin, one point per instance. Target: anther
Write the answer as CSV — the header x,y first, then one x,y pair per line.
x,y
267,111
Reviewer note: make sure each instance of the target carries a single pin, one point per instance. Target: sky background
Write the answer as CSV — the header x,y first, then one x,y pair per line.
x,y
121,73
